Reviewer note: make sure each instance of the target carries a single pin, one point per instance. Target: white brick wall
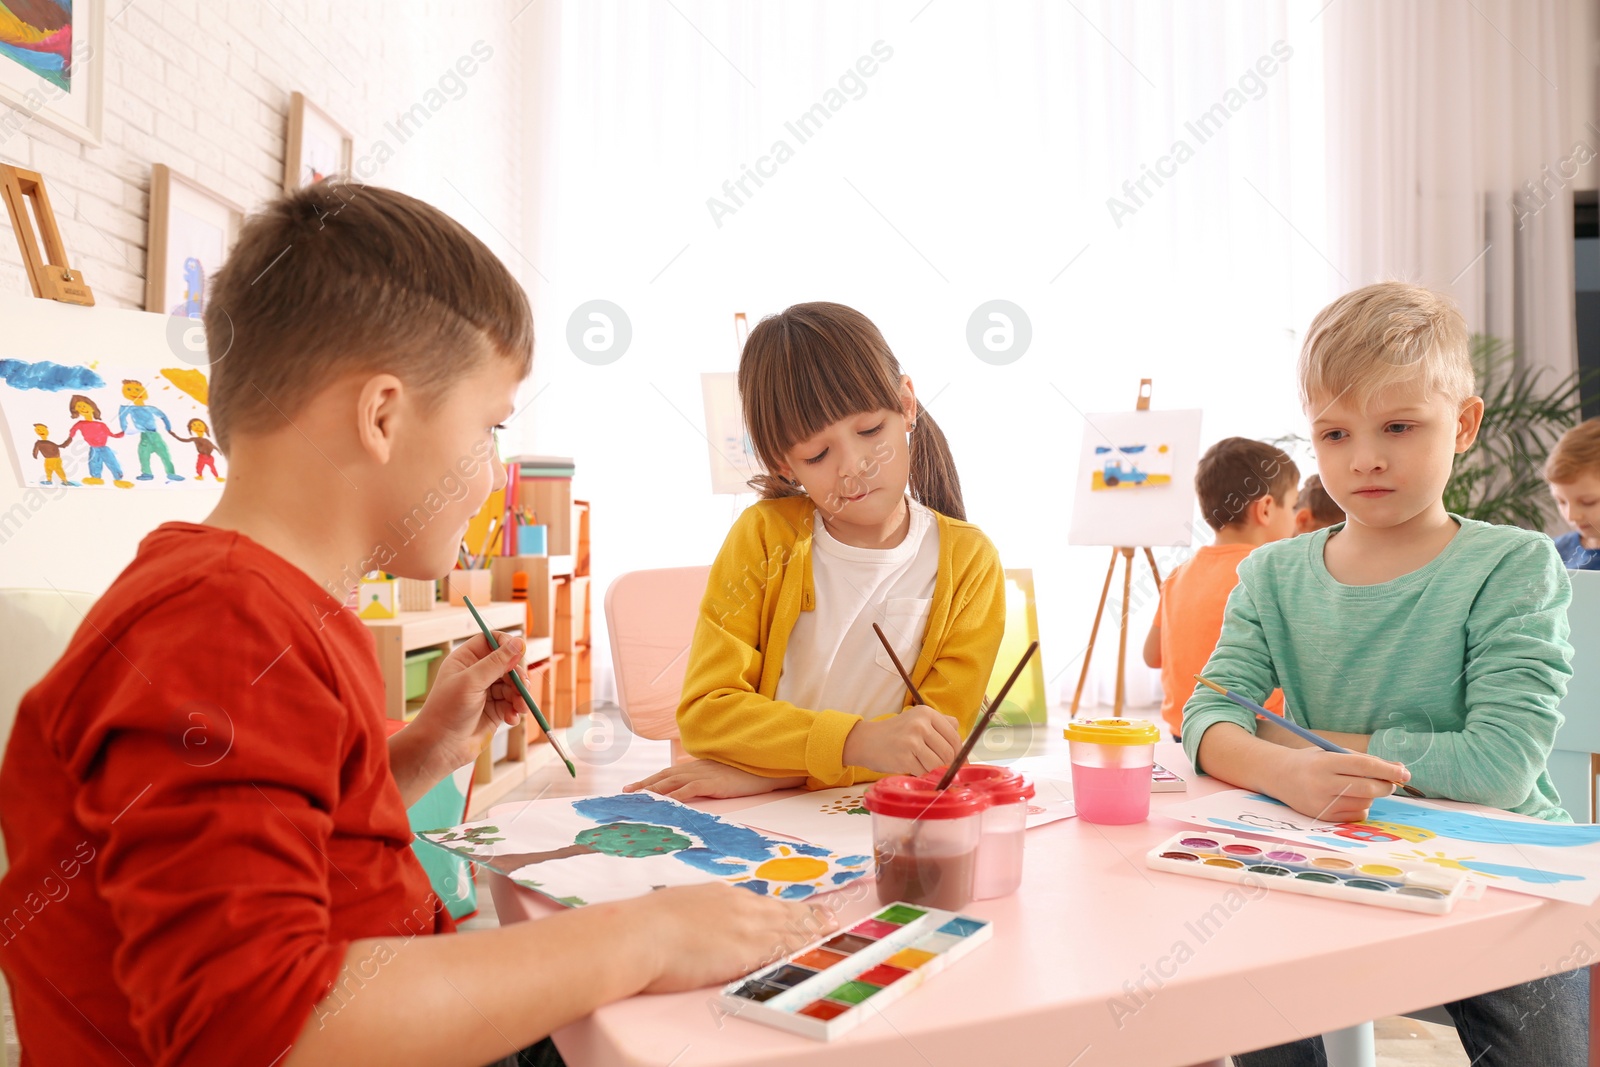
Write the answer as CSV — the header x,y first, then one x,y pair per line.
x,y
204,88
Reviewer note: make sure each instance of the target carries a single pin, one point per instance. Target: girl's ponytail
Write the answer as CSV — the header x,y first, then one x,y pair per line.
x,y
934,481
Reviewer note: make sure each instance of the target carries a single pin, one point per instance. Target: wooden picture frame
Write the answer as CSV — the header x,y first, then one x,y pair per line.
x,y
317,146
58,78
192,229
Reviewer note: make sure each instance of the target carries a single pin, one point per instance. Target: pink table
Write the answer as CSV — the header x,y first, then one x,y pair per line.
x,y
1099,961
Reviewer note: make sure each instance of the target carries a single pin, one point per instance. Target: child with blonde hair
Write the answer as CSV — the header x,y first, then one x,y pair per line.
x,y
1573,473
1432,646
861,523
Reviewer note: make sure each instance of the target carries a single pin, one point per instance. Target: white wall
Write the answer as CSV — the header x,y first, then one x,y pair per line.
x,y
204,88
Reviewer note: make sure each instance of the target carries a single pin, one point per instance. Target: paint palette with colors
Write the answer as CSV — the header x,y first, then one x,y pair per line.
x,y
1165,781
1316,872
827,988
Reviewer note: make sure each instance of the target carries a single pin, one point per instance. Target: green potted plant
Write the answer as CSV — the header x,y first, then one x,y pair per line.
x,y
1498,479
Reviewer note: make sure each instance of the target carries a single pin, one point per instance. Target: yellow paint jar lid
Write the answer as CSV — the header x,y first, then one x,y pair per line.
x,y
1112,731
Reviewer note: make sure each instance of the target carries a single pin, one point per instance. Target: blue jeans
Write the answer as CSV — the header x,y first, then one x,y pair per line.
x,y
1542,1023
102,457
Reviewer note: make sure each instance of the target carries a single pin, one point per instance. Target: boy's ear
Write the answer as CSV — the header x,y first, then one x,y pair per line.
x,y
378,415
1303,521
1468,423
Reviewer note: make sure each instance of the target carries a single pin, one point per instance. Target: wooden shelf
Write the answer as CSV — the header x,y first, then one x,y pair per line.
x,y
444,628
505,776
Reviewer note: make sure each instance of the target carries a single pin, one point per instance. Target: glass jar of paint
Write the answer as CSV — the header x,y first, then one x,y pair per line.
x,y
1111,761
1000,840
925,840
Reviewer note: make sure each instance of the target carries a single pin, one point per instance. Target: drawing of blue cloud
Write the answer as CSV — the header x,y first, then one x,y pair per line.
x,y
20,374
1470,826
722,839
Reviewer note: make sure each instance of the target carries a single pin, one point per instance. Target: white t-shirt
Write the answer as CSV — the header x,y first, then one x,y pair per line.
x,y
833,659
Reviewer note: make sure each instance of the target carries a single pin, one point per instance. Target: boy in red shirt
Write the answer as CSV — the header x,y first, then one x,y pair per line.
x,y
210,856
1247,494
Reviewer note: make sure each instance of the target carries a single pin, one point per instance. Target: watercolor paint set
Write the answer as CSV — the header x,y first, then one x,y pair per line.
x,y
1315,872
1165,781
829,987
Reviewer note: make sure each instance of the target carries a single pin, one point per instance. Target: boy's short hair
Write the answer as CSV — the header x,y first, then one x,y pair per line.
x,y
1576,454
341,278
1315,497
1235,473
1384,335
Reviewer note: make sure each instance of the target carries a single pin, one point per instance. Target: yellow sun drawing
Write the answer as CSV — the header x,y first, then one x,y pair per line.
x,y
789,869
1439,859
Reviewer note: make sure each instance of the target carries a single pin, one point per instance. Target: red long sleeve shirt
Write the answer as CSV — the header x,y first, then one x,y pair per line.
x,y
200,816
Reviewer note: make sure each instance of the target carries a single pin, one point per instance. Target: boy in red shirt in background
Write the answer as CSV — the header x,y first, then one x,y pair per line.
x,y
1247,493
210,856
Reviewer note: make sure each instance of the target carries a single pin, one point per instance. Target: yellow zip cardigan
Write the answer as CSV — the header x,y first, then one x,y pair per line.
x,y
759,584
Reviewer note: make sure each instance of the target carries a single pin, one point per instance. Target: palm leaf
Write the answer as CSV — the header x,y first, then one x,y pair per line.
x,y
1499,479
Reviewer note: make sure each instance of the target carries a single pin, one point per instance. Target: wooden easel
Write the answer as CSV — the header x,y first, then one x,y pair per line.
x,y
1126,555
51,277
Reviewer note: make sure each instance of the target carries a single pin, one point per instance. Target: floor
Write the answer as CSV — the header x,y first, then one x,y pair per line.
x,y
609,757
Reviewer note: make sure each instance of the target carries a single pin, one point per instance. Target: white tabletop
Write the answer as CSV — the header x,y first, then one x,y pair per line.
x,y
1097,960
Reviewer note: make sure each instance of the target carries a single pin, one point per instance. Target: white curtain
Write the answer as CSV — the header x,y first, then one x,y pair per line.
x,y
1450,160
1145,180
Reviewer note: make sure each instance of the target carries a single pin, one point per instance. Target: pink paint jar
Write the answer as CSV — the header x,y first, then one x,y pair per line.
x,y
1111,761
925,840
1000,843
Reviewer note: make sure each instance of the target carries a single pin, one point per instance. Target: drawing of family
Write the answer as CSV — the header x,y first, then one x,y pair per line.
x,y
137,416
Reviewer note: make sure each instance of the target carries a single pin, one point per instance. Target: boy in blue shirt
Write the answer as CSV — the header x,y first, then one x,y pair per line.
x,y
1433,647
1573,472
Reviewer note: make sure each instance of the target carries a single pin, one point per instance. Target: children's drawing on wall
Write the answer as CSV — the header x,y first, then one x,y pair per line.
x,y
62,434
595,849
1131,467
193,302
195,246
1560,861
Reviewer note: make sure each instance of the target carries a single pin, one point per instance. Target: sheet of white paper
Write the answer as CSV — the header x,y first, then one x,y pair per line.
x,y
835,818
1559,861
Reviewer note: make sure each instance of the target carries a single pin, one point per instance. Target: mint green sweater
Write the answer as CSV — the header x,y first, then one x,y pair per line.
x,y
1454,669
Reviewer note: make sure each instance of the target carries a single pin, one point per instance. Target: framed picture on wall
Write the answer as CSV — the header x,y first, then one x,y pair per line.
x,y
191,231
52,66
318,147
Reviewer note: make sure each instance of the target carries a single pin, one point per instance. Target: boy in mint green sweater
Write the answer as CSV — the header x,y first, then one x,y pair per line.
x,y
1433,647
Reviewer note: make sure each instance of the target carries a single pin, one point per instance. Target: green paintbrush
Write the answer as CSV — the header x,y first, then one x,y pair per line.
x,y
527,697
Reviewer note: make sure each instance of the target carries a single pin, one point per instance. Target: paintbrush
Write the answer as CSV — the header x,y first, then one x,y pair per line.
x,y
527,697
1294,728
983,720
899,666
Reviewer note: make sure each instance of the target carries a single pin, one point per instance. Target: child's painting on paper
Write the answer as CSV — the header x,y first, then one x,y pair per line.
x,y
1131,467
90,425
1560,861
588,850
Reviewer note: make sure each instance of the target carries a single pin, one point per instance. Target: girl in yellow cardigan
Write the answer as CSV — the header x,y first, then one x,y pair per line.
x,y
787,684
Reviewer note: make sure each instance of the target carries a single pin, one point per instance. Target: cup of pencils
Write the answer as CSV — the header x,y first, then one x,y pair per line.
x,y
1111,761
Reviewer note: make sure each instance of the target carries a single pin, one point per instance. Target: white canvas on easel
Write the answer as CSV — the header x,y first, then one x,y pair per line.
x,y
1124,448
733,457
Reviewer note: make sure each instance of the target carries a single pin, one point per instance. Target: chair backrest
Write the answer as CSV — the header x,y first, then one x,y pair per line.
x,y
651,617
1574,762
35,626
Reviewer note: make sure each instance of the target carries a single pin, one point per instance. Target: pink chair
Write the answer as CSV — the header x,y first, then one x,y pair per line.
x,y
651,616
